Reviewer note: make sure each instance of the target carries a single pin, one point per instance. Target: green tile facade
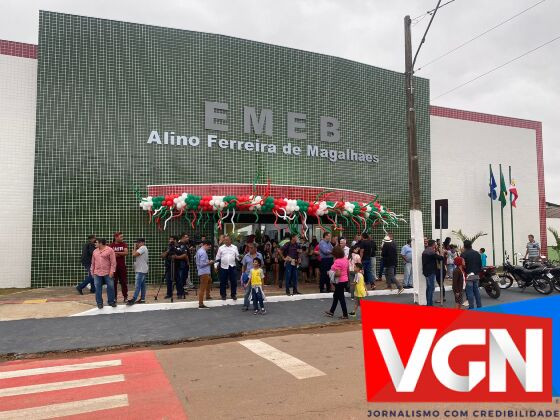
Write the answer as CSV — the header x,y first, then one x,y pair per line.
x,y
103,86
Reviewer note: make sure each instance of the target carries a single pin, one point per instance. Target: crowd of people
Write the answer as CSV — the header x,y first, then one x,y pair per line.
x,y
333,263
441,261
282,263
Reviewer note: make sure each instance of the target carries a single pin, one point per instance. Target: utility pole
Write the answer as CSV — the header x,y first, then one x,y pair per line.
x,y
416,227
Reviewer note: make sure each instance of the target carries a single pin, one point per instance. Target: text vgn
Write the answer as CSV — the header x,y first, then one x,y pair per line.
x,y
446,355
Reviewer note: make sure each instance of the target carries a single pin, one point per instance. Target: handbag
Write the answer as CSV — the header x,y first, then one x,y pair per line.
x,y
332,277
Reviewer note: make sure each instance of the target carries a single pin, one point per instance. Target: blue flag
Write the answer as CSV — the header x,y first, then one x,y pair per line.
x,y
492,194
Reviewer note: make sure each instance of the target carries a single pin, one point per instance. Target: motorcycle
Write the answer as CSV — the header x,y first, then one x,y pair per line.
x,y
555,271
538,277
488,278
551,268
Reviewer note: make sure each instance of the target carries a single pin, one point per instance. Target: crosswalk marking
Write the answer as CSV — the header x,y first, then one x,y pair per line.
x,y
58,369
56,386
66,409
290,364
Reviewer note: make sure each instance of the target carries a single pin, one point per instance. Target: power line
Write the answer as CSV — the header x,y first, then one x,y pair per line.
x,y
479,35
419,18
498,67
425,33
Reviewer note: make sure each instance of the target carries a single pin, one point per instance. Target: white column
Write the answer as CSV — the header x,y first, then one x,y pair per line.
x,y
417,236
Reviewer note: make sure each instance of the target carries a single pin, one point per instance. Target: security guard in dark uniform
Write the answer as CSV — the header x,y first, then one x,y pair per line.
x,y
172,268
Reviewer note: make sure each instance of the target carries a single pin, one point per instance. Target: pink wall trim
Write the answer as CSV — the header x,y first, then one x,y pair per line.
x,y
459,114
18,49
278,191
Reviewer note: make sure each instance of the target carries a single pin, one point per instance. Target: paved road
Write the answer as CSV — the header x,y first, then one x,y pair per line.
x,y
314,375
128,329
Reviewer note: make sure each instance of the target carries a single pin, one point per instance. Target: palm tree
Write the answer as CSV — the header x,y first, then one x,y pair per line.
x,y
556,235
464,237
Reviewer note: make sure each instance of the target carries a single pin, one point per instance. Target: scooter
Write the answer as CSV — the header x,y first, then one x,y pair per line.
x,y
538,277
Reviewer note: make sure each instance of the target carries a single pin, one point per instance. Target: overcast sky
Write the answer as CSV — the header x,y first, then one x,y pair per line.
x,y
372,32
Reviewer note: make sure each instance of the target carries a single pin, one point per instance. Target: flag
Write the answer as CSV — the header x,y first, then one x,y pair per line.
x,y
513,193
503,190
492,194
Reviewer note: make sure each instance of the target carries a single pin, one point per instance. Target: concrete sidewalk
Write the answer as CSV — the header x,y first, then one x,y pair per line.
x,y
166,327
55,302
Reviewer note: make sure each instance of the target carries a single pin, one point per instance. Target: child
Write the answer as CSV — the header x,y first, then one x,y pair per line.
x,y
458,281
256,277
354,258
483,257
360,287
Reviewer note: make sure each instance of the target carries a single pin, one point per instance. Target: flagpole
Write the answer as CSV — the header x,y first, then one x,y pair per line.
x,y
511,210
502,212
492,218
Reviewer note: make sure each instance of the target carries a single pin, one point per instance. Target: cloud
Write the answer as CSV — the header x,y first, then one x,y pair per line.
x,y
372,32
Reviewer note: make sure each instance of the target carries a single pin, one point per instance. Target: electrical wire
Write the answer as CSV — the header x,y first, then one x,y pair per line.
x,y
438,6
498,67
419,18
479,35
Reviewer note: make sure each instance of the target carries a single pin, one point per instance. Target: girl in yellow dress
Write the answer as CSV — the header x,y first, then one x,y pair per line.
x,y
360,289
256,277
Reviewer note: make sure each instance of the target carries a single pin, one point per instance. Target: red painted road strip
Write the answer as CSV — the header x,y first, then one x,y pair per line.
x,y
150,395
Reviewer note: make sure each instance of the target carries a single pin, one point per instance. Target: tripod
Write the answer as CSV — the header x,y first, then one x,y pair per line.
x,y
173,279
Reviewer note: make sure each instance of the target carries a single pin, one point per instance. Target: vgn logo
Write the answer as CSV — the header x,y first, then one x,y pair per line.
x,y
422,354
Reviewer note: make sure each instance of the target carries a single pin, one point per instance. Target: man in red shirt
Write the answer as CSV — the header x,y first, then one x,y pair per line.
x,y
121,251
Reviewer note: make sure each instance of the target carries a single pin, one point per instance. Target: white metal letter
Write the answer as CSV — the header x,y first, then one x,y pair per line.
x,y
215,117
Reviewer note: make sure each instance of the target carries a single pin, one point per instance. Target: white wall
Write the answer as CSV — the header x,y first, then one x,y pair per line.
x,y
461,152
18,84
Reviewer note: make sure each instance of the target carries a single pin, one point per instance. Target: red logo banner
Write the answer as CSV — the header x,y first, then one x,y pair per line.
x,y
426,354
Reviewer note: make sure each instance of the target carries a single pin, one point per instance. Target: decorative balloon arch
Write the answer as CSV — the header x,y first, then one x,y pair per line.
x,y
330,215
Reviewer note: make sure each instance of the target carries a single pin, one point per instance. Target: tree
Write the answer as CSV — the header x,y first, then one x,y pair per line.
x,y
556,235
464,237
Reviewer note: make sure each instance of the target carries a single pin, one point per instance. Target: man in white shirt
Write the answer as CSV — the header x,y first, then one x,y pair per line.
x,y
346,248
227,256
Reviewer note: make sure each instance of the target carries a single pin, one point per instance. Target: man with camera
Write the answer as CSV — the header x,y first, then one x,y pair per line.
x,y
184,247
140,254
171,268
